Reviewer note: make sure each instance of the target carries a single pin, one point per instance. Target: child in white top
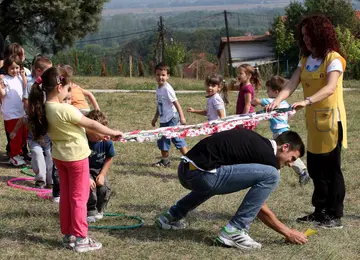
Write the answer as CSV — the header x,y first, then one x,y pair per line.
x,y
170,112
215,108
12,108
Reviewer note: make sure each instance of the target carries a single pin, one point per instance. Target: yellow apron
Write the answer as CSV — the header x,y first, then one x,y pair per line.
x,y
322,117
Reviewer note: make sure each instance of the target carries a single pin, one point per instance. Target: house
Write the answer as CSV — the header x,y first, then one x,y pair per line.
x,y
258,49
199,68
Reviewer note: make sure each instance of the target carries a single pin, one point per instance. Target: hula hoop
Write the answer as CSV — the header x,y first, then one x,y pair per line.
x,y
25,171
140,220
42,193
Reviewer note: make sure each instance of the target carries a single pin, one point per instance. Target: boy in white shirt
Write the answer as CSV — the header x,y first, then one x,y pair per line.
x,y
170,112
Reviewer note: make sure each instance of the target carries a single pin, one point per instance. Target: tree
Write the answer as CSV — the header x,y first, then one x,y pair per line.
x,y
340,12
174,55
49,24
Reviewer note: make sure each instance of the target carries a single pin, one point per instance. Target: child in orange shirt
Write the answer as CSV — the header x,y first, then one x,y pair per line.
x,y
78,94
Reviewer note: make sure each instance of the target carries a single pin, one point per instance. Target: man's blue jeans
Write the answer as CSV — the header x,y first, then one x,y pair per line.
x,y
261,179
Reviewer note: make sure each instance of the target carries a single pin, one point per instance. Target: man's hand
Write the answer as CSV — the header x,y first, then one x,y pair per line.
x,y
100,179
296,237
92,184
191,110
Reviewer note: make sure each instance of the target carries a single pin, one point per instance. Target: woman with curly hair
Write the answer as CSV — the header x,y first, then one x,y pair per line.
x,y
320,72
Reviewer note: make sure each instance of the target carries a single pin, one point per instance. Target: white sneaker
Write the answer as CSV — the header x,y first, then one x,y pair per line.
x,y
90,219
86,244
17,160
238,238
99,215
56,199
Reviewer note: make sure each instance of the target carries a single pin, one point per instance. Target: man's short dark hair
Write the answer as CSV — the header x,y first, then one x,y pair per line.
x,y
163,66
293,139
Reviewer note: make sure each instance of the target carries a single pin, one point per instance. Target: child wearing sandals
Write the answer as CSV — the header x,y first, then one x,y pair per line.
x,y
65,125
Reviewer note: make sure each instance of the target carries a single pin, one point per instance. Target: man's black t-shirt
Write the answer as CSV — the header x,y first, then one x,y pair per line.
x,y
236,146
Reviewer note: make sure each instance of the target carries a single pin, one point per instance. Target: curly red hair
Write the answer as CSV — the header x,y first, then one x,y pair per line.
x,y
322,35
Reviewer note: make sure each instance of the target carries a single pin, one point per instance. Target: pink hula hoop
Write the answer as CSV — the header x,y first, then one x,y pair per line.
x,y
41,193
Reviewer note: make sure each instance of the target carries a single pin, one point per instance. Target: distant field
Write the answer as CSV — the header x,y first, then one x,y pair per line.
x,y
109,12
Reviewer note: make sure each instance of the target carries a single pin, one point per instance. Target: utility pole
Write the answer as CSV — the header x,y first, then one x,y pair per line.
x,y
228,42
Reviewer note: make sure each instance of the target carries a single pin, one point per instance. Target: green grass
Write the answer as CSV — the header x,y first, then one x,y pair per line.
x,y
29,226
149,83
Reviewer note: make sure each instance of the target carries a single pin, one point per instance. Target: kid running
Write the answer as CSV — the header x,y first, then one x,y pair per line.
x,y
215,108
169,110
70,151
279,124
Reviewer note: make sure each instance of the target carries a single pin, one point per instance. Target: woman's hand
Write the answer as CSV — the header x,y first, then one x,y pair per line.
x,y
270,107
299,105
190,109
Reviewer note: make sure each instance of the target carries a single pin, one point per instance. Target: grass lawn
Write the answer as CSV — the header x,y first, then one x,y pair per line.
x,y
29,226
148,83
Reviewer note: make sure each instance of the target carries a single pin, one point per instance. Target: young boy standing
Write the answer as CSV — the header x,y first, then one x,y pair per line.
x,y
100,160
170,112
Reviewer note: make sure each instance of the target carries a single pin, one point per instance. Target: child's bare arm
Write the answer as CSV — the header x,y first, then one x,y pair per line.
x,y
199,112
256,102
100,179
2,88
156,116
19,124
221,113
181,114
92,99
247,103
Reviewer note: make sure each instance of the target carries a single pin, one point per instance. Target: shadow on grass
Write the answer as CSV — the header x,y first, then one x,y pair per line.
x,y
23,236
153,233
163,176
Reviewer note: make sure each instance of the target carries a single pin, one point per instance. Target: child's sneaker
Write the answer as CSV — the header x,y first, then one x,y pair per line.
x,y
90,219
17,161
166,221
69,241
86,244
238,238
56,199
162,163
304,178
99,215
40,185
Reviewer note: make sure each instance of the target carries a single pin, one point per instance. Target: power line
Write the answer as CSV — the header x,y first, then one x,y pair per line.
x,y
113,37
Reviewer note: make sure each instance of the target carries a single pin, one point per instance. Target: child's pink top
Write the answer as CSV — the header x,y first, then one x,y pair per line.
x,y
240,104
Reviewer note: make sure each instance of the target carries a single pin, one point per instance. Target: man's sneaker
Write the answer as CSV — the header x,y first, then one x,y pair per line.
x,y
40,185
166,221
313,217
86,244
90,219
69,241
304,178
56,199
161,163
330,223
17,160
238,238
99,215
